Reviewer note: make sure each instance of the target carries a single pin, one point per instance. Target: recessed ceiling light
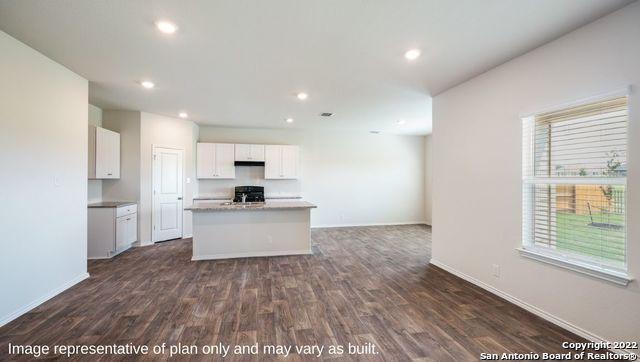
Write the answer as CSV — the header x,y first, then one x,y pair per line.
x,y
289,120
401,122
302,96
412,54
147,84
183,115
166,27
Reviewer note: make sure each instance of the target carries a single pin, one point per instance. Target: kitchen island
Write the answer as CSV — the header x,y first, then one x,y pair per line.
x,y
236,230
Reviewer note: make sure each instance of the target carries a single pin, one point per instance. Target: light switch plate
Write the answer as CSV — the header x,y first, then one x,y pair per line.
x,y
496,270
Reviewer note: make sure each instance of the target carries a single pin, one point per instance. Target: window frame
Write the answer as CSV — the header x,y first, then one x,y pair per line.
x,y
570,261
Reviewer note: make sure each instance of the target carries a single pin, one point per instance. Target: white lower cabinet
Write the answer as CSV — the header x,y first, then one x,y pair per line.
x,y
111,230
126,230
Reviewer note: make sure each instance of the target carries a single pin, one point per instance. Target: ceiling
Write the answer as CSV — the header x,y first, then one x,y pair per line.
x,y
240,63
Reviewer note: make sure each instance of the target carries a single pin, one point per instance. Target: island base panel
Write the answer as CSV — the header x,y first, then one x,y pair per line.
x,y
250,233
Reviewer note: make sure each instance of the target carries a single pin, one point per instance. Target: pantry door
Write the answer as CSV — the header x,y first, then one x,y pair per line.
x,y
167,207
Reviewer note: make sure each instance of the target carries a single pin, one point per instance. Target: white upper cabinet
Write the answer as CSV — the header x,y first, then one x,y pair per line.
x,y
215,161
249,153
225,158
104,153
205,160
281,162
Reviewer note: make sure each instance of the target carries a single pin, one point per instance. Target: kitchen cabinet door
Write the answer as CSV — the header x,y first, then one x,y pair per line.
x,y
205,160
121,232
272,162
243,152
132,228
106,153
225,161
289,169
257,152
281,162
249,153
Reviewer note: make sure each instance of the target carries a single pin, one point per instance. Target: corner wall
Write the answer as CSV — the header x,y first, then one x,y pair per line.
x,y
43,157
477,189
127,187
428,178
94,191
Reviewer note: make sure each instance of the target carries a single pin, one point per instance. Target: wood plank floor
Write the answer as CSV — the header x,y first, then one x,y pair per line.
x,y
364,284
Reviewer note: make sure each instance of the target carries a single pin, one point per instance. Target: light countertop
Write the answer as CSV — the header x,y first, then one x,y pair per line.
x,y
217,206
221,197
107,204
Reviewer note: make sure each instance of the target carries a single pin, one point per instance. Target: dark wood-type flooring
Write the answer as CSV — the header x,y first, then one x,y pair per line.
x,y
362,284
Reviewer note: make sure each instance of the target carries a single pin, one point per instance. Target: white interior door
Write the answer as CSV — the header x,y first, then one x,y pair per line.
x,y
167,194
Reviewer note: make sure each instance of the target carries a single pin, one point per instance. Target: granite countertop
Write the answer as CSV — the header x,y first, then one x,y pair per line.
x,y
111,204
213,198
217,206
268,197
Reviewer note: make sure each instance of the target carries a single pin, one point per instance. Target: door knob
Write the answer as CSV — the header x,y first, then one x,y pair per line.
x,y
179,198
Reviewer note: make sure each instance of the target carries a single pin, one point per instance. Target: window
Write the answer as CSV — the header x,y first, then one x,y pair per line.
x,y
574,188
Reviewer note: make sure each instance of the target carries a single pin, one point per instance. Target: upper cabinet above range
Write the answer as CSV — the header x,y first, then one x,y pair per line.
x,y
104,153
249,153
215,161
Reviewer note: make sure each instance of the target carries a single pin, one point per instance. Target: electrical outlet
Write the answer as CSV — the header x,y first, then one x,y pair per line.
x,y
341,217
496,270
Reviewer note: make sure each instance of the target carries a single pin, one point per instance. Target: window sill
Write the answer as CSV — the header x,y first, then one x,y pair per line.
x,y
615,277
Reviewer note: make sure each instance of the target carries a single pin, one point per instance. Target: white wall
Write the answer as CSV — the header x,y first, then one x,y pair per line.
x,y
43,158
94,187
169,132
354,177
127,187
428,178
477,167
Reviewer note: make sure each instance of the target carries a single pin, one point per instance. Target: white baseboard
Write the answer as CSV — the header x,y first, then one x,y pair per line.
x,y
369,224
524,305
251,254
44,298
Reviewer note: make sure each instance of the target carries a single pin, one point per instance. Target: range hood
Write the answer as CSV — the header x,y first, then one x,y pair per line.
x,y
249,163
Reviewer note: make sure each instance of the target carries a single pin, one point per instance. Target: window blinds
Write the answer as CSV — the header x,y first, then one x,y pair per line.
x,y
574,182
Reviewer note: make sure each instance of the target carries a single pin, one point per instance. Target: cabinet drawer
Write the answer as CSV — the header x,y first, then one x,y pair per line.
x,y
126,210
